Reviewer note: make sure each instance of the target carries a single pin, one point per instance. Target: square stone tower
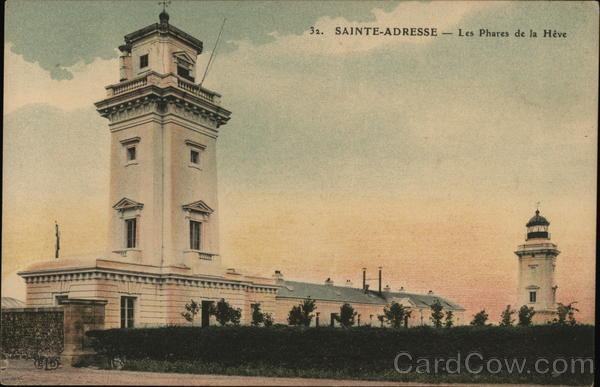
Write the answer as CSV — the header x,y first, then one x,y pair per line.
x,y
163,175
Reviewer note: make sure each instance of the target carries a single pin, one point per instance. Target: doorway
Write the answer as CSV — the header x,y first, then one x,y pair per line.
x,y
206,306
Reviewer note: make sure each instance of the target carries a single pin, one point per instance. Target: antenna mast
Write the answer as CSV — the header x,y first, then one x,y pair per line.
x,y
212,54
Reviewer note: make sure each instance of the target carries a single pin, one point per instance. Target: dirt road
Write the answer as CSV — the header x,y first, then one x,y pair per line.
x,y
22,372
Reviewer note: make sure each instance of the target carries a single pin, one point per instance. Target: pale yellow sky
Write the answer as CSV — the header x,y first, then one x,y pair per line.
x,y
422,156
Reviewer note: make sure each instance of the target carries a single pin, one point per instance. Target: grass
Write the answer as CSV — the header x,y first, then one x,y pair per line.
x,y
265,370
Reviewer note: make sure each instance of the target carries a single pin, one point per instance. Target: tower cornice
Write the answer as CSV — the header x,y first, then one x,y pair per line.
x,y
126,97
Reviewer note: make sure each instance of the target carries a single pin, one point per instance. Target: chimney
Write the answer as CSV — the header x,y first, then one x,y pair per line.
x,y
329,282
278,277
380,279
430,292
364,279
387,288
349,283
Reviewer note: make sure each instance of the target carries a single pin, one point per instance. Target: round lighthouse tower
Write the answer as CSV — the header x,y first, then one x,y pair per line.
x,y
537,261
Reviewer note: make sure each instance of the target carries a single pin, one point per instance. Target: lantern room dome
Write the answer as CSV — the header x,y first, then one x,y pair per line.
x,y
537,220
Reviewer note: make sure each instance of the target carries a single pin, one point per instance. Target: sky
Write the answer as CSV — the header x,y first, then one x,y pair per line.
x,y
423,155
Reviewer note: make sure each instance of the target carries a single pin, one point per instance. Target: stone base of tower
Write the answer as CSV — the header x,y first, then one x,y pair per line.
x,y
543,317
158,294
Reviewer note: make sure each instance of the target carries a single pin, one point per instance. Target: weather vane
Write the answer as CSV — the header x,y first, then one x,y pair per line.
x,y
165,4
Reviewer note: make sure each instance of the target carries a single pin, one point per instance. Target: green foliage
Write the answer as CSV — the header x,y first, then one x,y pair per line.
x,y
436,313
257,316
346,316
224,313
191,310
526,315
268,319
396,315
480,318
566,314
349,352
506,317
302,314
449,319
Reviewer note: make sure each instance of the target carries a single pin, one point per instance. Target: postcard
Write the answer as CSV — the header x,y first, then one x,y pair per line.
x,y
299,192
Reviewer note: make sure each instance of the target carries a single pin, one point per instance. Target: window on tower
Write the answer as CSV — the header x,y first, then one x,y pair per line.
x,y
532,296
131,153
194,157
130,233
144,61
195,234
184,73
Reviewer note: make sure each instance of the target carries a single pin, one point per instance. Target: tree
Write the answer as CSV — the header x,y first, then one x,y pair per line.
x,y
257,316
302,314
526,315
225,313
395,315
192,310
449,319
381,318
346,316
436,313
566,312
506,319
268,319
480,318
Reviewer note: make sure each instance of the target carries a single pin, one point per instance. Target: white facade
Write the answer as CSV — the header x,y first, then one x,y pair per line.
x,y
537,263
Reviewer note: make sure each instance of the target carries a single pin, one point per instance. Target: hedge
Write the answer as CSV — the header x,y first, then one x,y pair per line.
x,y
350,350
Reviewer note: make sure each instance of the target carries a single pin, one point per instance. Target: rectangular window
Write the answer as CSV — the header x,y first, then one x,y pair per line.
x,y
60,298
131,153
532,296
130,230
143,61
184,73
194,157
195,233
127,311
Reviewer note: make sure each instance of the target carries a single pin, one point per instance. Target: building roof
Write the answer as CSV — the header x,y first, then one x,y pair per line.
x,y
9,302
537,220
303,290
164,27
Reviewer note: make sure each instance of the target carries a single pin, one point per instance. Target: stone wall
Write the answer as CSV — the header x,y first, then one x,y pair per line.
x,y
58,330
25,331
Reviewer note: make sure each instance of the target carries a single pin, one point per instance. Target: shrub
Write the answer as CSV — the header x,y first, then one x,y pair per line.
x,y
449,319
566,311
526,315
191,310
225,313
350,351
346,316
302,314
396,315
506,317
480,318
436,313
257,316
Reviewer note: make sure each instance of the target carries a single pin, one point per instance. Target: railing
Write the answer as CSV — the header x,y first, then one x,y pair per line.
x,y
133,84
153,78
207,256
195,89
